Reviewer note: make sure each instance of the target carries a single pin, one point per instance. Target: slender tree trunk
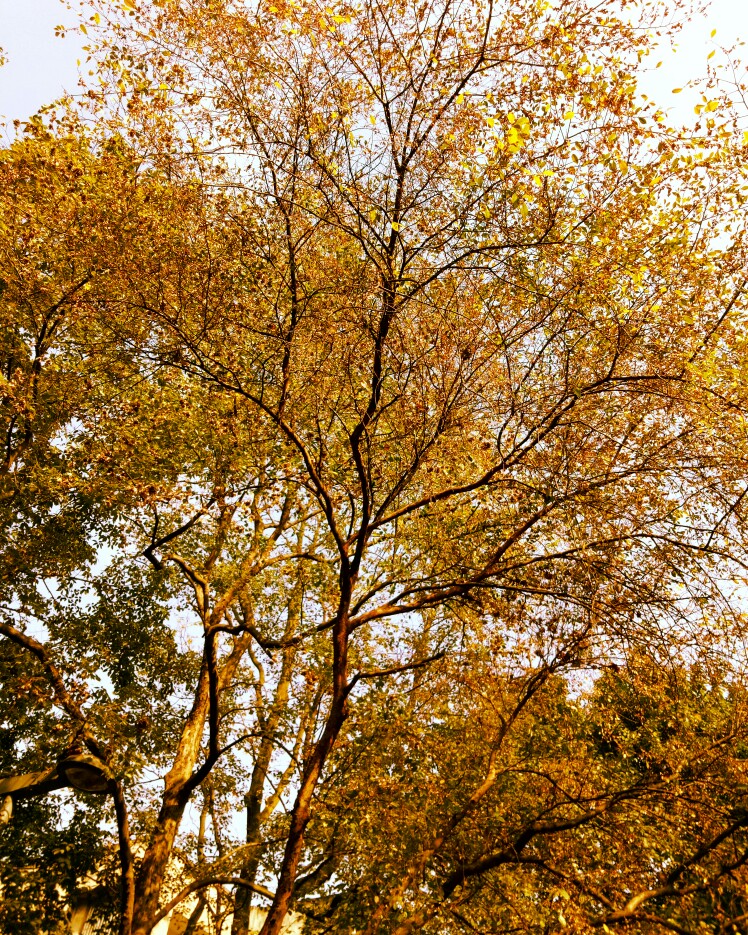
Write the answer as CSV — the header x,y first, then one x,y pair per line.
x,y
254,798
312,771
195,915
243,899
299,820
150,877
127,901
202,902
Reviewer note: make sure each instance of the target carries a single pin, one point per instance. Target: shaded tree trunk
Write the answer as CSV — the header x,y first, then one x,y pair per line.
x,y
243,903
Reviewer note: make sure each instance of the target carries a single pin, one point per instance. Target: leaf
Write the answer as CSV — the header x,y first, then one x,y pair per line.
x,y
461,441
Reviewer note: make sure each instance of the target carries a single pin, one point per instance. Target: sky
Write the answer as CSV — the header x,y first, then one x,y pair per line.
x,y
40,66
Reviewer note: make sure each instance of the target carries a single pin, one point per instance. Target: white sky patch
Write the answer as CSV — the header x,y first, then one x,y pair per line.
x,y
40,66
688,56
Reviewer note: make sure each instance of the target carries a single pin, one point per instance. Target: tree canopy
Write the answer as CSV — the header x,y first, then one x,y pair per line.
x,y
374,466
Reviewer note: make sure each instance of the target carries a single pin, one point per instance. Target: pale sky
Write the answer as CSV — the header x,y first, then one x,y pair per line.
x,y
41,67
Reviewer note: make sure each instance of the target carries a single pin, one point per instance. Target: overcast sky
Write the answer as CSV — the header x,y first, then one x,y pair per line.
x,y
40,67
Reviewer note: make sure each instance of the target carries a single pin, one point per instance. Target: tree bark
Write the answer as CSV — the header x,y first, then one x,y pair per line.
x,y
243,899
254,797
150,877
312,771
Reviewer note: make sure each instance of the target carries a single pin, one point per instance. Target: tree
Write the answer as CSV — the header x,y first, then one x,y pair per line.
x,y
610,806
140,472
427,343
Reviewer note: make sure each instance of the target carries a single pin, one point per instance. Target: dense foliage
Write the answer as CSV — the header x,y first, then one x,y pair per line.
x,y
374,463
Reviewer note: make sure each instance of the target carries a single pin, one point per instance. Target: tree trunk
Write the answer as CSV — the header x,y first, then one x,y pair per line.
x,y
152,870
254,798
312,771
243,899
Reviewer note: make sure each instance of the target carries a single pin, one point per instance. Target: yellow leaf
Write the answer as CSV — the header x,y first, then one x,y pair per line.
x,y
712,105
395,226
568,115
373,215
510,117
537,180
372,119
713,33
96,18
745,137
83,29
460,98
711,54
677,90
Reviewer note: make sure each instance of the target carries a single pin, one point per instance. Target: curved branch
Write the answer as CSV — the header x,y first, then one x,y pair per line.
x,y
210,881
63,698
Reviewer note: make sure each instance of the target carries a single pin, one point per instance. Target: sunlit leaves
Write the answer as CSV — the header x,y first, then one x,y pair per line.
x,y
403,336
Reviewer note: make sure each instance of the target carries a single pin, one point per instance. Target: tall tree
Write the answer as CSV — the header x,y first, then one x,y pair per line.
x,y
430,337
